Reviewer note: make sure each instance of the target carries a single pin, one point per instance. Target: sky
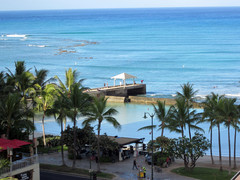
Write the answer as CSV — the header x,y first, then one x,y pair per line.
x,y
6,5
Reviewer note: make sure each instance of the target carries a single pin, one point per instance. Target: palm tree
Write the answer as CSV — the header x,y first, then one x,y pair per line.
x,y
12,116
236,123
98,112
208,116
70,78
163,115
228,113
45,102
78,104
213,112
188,94
22,81
60,112
179,116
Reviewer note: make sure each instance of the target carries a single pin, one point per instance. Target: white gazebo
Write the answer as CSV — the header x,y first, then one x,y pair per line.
x,y
123,77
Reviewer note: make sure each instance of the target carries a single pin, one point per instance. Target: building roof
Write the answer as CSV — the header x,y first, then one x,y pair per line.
x,y
124,140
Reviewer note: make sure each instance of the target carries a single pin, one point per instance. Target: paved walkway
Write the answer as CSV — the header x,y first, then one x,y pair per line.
x,y
122,170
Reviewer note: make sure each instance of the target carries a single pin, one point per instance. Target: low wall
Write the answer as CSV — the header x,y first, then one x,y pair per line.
x,y
149,100
115,99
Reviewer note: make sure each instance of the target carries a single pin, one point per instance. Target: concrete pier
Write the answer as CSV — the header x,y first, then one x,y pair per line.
x,y
122,91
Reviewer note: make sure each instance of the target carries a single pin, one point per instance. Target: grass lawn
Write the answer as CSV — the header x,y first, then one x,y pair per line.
x,y
76,170
51,149
204,173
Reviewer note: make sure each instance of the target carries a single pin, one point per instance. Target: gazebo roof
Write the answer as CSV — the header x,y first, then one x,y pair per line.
x,y
124,76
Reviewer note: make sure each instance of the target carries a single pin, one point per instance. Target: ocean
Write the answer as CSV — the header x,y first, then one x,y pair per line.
x,y
165,47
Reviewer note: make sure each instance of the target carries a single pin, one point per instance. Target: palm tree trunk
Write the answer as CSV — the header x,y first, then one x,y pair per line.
x,y
235,141
98,164
162,128
65,123
189,130
8,132
229,149
74,142
63,162
182,131
43,128
33,125
219,143
211,143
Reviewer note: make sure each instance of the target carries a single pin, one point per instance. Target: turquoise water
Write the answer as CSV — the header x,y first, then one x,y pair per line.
x,y
164,47
130,117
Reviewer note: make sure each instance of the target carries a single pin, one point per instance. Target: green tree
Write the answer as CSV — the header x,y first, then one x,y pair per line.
x,y
188,94
79,102
12,116
45,102
187,149
98,112
209,116
60,112
71,77
228,112
163,115
213,112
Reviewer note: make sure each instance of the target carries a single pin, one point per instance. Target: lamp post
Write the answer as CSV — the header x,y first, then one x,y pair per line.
x,y
145,116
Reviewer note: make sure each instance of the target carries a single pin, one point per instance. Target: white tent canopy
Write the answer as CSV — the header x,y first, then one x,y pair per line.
x,y
123,76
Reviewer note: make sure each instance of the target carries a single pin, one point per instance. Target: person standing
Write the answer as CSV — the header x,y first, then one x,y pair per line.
x,y
135,164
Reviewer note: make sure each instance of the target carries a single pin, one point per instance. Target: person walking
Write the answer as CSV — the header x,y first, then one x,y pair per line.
x,y
135,164
144,171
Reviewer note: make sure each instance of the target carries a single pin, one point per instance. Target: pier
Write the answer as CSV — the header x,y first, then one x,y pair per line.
x,y
119,90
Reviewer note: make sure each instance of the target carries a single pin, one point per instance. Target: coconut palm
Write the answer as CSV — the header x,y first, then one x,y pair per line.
x,y
98,112
12,116
163,115
71,77
188,93
209,115
22,81
213,112
78,103
236,124
179,116
45,102
60,112
228,112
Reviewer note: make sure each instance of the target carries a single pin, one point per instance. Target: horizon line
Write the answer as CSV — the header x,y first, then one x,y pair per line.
x,y
170,7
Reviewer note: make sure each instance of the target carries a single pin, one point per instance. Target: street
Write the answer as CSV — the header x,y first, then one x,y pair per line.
x,y
47,175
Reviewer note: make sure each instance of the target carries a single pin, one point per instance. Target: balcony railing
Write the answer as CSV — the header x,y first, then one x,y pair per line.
x,y
20,164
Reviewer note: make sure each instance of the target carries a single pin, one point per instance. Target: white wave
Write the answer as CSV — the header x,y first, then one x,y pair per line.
x,y
199,96
16,35
232,95
34,45
173,95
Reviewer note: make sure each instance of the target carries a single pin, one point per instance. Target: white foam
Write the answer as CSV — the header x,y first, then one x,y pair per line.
x,y
16,35
41,46
232,95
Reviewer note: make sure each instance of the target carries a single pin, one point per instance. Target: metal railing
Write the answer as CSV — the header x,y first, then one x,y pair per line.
x,y
20,164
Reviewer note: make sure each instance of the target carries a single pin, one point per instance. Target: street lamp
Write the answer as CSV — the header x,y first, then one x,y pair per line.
x,y
145,116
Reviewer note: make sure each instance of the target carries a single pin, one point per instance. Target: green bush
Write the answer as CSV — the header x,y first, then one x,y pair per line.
x,y
105,159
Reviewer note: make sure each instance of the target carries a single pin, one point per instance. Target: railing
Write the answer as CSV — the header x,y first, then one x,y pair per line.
x,y
20,164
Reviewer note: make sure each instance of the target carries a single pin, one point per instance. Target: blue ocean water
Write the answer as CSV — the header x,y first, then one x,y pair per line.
x,y
165,47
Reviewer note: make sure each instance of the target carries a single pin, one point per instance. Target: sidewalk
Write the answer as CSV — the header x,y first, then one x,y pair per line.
x,y
122,170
